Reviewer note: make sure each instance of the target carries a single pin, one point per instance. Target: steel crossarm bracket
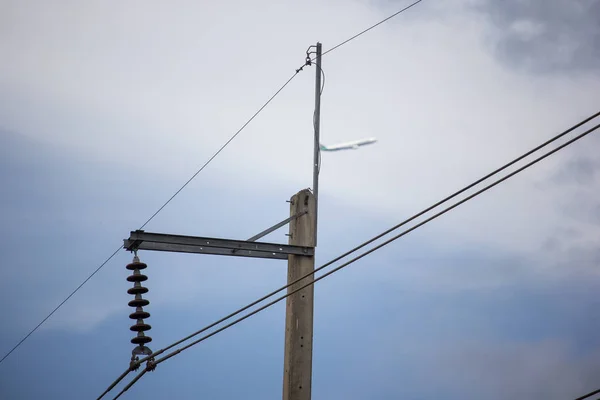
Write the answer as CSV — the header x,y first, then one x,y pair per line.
x,y
141,240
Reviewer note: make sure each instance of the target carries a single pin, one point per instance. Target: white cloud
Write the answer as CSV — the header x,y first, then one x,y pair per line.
x,y
158,88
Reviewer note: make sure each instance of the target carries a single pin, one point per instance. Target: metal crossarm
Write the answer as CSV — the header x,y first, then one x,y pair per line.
x,y
140,240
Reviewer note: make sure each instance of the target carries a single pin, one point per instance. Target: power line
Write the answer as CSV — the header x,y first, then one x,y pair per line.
x,y
156,213
204,166
319,167
397,226
448,198
63,302
371,27
580,136
361,256
221,149
200,170
585,396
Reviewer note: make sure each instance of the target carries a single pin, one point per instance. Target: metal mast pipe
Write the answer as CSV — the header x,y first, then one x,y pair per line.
x,y
317,123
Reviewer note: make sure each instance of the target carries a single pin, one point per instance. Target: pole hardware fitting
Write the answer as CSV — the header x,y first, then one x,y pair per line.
x,y
133,364
151,365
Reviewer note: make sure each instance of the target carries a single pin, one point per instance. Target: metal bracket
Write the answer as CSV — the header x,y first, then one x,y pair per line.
x,y
277,226
273,228
140,240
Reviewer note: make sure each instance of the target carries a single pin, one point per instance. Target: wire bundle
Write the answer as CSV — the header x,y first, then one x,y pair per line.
x,y
153,364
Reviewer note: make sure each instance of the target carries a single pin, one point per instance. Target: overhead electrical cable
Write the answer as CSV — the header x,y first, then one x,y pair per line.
x,y
298,70
193,176
371,27
222,147
459,192
156,213
585,396
578,137
61,303
395,227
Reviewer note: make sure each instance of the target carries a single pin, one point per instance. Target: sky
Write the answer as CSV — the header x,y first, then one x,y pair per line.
x,y
107,108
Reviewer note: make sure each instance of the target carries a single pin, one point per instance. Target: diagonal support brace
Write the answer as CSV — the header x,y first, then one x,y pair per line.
x,y
273,228
276,226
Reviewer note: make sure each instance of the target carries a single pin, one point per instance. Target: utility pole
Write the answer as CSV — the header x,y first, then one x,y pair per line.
x,y
297,376
317,123
297,380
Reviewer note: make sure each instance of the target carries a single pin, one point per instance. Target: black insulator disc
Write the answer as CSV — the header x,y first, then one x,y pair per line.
x,y
137,290
138,303
139,315
140,327
141,339
136,265
137,278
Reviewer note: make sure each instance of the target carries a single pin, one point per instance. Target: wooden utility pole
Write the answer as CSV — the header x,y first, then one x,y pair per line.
x,y
297,374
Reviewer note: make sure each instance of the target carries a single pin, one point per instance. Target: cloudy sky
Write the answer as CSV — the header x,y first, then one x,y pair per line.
x,y
107,108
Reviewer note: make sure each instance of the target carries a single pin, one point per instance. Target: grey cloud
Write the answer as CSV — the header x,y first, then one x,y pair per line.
x,y
528,370
546,36
529,340
584,211
582,170
579,178
581,257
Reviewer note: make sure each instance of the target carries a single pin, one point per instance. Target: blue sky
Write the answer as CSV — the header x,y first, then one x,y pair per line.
x,y
104,115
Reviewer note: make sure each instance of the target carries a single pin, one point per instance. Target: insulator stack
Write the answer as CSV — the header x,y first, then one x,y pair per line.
x,y
138,302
